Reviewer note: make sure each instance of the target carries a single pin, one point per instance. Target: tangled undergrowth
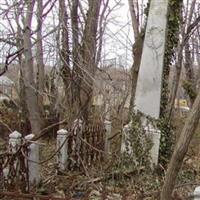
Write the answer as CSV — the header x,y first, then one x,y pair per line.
x,y
112,182
118,178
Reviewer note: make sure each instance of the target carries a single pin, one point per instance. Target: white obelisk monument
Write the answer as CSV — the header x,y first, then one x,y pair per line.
x,y
149,84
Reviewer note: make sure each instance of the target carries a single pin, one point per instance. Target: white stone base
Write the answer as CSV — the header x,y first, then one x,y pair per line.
x,y
154,135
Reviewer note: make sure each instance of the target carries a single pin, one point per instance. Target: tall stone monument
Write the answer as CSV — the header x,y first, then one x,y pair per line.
x,y
149,84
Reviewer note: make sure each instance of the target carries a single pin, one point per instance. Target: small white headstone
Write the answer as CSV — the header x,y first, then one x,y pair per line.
x,y
62,145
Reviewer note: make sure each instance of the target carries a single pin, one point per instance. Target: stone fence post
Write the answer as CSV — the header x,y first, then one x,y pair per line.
x,y
62,145
33,161
108,127
15,140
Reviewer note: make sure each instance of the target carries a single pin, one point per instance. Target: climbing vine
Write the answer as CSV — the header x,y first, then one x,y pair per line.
x,y
137,144
174,19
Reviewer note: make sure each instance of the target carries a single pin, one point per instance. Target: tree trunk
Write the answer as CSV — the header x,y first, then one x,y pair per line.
x,y
137,54
137,50
30,86
135,24
75,32
75,57
39,57
176,80
87,67
180,150
65,70
190,79
78,79
24,118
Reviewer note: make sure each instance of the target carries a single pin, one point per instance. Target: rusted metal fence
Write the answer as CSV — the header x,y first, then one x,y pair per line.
x,y
14,171
83,146
14,165
86,146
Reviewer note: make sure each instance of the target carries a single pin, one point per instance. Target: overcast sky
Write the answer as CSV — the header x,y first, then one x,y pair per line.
x,y
118,38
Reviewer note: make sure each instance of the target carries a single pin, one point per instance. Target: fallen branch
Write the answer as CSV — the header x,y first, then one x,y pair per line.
x,y
31,196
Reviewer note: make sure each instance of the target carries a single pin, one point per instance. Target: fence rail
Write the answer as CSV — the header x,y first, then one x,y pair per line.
x,y
14,171
81,146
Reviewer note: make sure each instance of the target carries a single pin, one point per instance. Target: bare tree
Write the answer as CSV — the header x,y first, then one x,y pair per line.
x,y
181,149
22,34
39,55
65,70
30,85
78,75
187,29
137,46
192,120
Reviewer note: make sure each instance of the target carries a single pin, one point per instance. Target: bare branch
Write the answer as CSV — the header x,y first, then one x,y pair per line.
x,y
134,20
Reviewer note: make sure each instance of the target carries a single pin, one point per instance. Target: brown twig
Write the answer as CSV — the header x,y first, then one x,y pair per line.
x,y
31,196
8,61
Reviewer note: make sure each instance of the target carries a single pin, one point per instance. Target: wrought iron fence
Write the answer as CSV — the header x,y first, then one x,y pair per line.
x,y
86,146
14,171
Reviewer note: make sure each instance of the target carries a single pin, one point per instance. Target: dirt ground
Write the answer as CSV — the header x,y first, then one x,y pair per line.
x,y
97,182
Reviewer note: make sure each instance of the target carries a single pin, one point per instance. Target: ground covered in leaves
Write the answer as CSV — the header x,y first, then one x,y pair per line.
x,y
110,182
